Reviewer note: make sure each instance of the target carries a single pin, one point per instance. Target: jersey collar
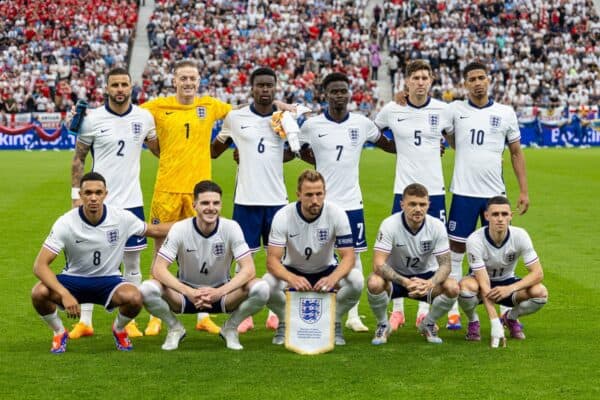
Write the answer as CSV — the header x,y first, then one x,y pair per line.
x,y
408,227
253,110
298,209
107,108
418,107
491,241
489,104
87,221
200,232
328,116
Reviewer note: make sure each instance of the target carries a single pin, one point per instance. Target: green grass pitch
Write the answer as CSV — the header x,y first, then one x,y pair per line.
x,y
559,359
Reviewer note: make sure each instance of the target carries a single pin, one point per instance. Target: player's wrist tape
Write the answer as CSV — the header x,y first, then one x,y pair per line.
x,y
74,193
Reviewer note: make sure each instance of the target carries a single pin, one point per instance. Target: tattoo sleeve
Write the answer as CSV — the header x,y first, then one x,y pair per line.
x,y
78,164
388,273
444,269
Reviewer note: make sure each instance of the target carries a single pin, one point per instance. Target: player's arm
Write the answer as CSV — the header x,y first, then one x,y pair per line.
x,y
387,145
160,272
158,230
153,146
41,269
385,271
517,159
307,155
77,168
483,280
276,268
449,136
246,273
288,155
219,145
344,267
535,276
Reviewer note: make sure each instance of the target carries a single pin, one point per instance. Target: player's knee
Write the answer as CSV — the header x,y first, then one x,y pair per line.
x,y
538,291
39,292
451,288
355,281
150,290
469,284
272,282
260,290
375,284
457,247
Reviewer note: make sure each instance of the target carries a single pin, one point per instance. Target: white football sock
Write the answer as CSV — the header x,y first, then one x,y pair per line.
x,y
350,288
398,304
257,298
379,303
353,312
456,262
156,305
527,307
87,309
423,308
131,267
54,322
276,301
439,306
468,302
202,315
121,321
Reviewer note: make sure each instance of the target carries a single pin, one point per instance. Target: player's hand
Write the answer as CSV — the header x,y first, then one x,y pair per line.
x,y
442,148
523,203
71,305
300,283
76,203
497,333
498,293
325,284
236,155
401,97
209,295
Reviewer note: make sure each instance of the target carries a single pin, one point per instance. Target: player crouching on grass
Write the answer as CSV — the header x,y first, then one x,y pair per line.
x,y
93,237
204,247
412,259
493,252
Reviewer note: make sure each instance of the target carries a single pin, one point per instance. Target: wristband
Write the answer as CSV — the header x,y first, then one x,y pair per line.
x,y
74,193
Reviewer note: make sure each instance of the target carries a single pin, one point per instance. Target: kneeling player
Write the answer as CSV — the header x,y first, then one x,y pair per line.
x,y
93,237
410,245
204,247
493,252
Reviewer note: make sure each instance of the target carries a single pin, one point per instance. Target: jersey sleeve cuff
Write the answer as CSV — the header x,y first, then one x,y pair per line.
x,y
166,257
51,248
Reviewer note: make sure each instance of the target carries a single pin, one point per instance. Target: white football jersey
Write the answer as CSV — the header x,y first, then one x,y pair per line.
x,y
480,135
310,245
204,260
116,145
259,179
500,262
412,253
417,132
337,148
93,250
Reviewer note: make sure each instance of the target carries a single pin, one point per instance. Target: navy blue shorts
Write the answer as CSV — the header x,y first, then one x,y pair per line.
x,y
255,222
188,307
97,290
136,242
464,212
507,301
437,206
359,234
313,278
401,291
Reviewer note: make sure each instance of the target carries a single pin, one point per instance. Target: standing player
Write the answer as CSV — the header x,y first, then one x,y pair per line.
x,y
93,238
204,247
493,252
261,157
412,259
115,134
482,128
301,253
184,125
418,127
336,139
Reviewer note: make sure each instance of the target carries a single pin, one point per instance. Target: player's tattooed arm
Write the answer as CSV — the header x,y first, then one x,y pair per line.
x,y
445,266
78,164
387,272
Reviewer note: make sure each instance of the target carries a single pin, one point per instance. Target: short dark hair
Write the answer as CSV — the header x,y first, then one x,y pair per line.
x,y
334,77
118,71
207,186
415,189
474,65
310,175
92,176
262,71
418,65
499,200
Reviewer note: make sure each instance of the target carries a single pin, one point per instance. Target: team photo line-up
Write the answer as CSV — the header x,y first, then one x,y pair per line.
x,y
314,243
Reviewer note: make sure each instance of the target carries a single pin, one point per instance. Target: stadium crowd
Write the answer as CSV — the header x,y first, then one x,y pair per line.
x,y
54,53
541,52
